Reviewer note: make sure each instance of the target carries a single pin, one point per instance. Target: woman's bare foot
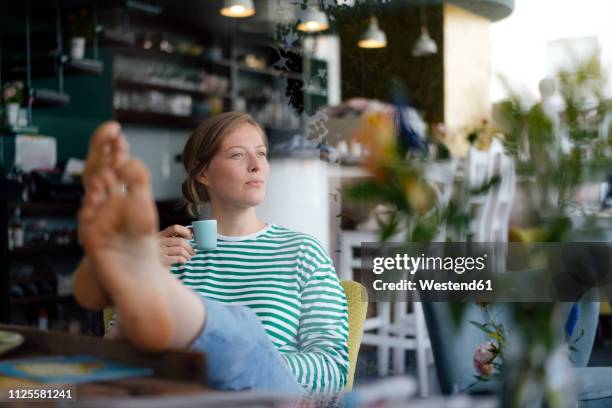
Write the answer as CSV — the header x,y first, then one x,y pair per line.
x,y
108,148
117,227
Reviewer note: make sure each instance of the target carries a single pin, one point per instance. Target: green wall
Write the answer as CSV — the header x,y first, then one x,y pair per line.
x,y
90,104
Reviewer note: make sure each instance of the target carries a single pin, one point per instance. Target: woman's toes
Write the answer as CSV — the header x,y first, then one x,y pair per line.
x,y
108,180
141,216
135,174
107,147
120,151
102,135
92,200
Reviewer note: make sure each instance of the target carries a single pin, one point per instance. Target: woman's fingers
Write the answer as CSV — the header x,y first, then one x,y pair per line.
x,y
177,242
176,231
179,251
171,260
174,249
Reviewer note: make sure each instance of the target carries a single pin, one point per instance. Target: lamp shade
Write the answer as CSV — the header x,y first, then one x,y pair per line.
x,y
424,45
237,8
373,37
312,19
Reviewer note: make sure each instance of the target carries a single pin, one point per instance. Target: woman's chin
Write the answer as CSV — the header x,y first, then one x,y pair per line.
x,y
253,200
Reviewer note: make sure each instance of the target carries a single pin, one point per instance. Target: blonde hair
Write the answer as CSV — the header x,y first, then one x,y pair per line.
x,y
204,142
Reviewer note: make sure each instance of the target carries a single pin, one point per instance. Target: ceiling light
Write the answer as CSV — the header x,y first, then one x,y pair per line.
x,y
424,45
312,19
373,37
237,8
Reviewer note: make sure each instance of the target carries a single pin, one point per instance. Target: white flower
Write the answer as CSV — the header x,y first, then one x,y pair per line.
x,y
484,355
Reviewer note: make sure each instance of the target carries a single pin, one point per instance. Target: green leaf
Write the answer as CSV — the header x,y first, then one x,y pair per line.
x,y
388,229
369,190
457,309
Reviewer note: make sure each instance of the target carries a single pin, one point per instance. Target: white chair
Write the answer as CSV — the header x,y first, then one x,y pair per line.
x,y
407,329
503,193
501,202
441,177
410,325
349,242
478,171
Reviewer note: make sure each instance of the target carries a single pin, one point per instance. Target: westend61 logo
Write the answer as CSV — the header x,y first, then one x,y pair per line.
x,y
412,264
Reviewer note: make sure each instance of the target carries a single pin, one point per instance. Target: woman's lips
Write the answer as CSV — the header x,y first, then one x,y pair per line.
x,y
255,183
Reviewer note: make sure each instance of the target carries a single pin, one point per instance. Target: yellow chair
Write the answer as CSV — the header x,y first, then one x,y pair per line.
x,y
107,314
357,300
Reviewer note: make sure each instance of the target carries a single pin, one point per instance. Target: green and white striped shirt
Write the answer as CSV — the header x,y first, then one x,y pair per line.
x,y
289,281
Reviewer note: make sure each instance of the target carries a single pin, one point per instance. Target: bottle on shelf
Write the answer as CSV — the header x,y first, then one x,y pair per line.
x,y
43,319
16,231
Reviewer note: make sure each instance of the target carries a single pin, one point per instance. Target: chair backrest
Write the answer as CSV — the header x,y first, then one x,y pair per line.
x,y
478,171
503,193
440,175
107,314
357,300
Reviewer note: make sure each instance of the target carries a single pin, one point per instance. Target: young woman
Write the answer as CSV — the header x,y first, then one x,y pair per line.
x,y
298,331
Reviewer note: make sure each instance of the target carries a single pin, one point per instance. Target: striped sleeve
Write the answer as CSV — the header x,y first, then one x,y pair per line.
x,y
321,362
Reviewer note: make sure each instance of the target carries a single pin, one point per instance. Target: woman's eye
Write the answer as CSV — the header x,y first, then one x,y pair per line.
x,y
262,154
236,155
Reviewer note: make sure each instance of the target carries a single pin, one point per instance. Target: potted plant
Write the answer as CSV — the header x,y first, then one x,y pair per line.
x,y
81,30
12,96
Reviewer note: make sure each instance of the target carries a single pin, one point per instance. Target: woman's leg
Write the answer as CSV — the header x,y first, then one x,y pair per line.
x,y
240,354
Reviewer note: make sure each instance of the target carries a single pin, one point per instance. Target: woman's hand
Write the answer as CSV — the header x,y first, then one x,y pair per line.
x,y
173,247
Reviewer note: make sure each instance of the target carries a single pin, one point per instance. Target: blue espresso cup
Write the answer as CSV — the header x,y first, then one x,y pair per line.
x,y
205,234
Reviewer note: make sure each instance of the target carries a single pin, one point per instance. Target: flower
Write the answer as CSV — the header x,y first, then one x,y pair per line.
x,y
418,194
484,355
377,134
438,133
12,92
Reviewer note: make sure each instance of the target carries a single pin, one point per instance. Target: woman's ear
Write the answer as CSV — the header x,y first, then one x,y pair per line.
x,y
203,178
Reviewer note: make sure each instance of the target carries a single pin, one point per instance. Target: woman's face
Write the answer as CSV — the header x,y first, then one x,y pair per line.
x,y
238,174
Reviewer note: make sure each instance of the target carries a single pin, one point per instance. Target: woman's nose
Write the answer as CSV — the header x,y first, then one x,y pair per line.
x,y
253,163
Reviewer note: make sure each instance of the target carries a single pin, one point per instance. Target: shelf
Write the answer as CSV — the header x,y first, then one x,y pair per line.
x,y
83,66
39,249
154,118
134,84
29,208
271,72
16,130
268,43
316,91
41,299
45,65
221,63
47,98
118,37
168,56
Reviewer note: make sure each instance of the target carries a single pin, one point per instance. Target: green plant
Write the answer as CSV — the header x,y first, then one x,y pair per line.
x,y
80,24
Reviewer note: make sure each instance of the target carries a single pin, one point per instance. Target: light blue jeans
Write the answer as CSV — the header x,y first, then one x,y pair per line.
x,y
239,353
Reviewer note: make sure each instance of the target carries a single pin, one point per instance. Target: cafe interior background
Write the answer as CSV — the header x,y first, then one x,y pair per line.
x,y
466,78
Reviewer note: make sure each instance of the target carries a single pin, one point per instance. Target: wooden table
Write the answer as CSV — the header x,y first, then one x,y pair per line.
x,y
174,372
